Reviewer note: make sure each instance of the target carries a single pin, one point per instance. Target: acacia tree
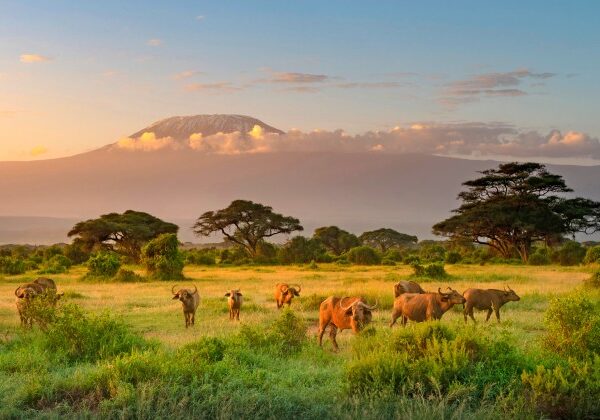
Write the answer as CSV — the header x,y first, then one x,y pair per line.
x,y
122,233
386,238
335,239
511,207
246,223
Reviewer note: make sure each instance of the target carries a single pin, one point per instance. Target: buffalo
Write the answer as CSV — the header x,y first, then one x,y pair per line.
x,y
424,307
234,301
341,314
25,294
284,294
189,301
490,299
406,286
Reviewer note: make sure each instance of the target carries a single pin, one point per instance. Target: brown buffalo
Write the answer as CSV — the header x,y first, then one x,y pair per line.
x,y
284,294
190,299
25,294
406,286
234,301
342,314
490,299
424,307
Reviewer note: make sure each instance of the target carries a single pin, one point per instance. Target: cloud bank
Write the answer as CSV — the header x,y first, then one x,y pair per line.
x,y
33,58
450,139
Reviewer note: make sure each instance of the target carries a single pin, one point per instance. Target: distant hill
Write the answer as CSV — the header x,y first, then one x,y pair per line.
x,y
357,191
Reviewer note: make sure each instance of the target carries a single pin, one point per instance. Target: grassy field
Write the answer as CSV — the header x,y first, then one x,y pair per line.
x,y
147,308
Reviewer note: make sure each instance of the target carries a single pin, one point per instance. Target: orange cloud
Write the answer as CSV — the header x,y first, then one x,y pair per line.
x,y
147,142
33,58
38,151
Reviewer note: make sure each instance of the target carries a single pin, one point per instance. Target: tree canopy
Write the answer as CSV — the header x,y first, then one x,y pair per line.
x,y
123,233
335,239
386,238
511,207
246,223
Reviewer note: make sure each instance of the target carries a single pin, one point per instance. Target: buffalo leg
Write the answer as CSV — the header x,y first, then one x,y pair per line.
x,y
322,327
332,334
395,316
471,315
497,310
404,320
489,314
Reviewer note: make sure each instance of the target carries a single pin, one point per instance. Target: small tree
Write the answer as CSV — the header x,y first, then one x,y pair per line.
x,y
384,239
335,239
162,258
246,223
300,249
592,255
122,233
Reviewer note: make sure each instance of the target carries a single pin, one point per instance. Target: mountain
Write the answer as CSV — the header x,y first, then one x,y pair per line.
x,y
357,191
181,128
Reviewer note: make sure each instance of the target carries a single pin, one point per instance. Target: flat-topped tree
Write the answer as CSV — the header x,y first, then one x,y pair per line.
x,y
386,238
122,233
246,223
511,207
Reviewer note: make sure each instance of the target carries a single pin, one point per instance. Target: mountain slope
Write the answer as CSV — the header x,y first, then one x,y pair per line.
x,y
357,191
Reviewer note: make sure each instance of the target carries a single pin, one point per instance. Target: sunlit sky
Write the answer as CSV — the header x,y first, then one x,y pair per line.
x,y
77,75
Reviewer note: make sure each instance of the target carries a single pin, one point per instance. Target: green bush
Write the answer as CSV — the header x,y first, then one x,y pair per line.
x,y
12,266
393,254
284,337
200,256
162,258
432,252
56,265
540,256
570,253
75,335
565,392
431,359
127,276
435,270
453,257
103,264
592,255
387,261
363,255
411,259
573,326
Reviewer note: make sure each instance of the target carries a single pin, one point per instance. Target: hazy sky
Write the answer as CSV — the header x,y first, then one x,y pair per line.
x,y
75,75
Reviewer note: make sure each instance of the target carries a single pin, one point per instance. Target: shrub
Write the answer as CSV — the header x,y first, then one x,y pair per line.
x,y
453,257
393,254
76,253
12,266
266,253
412,259
162,258
78,336
432,252
52,251
127,276
592,255
431,359
573,326
571,253
56,265
387,261
103,264
434,270
565,391
201,256
285,336
211,349
363,255
540,256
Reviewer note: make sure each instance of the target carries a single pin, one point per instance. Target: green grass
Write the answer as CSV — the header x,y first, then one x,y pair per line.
x,y
268,365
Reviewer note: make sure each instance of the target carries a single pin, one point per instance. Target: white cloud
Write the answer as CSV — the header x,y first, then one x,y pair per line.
x,y
186,74
200,17
33,58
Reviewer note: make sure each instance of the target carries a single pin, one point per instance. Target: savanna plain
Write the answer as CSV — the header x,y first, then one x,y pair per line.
x,y
121,350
